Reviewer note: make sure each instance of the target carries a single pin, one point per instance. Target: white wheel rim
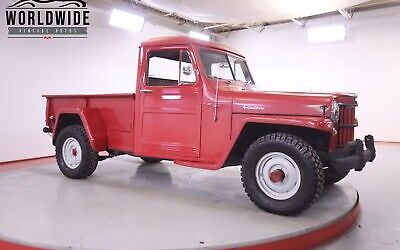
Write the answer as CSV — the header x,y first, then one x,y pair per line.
x,y
286,186
72,153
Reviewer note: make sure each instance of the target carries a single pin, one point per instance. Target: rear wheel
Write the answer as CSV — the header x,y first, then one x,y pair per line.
x,y
282,174
75,157
150,159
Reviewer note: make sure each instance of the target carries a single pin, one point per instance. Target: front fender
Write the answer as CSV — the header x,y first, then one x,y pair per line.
x,y
239,121
318,123
93,123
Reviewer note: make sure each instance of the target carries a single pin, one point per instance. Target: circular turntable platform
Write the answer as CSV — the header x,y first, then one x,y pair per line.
x,y
128,204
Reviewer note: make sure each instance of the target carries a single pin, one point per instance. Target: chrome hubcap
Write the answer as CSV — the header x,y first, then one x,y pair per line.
x,y
72,153
278,176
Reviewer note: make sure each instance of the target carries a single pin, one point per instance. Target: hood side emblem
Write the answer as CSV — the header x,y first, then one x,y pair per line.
x,y
252,107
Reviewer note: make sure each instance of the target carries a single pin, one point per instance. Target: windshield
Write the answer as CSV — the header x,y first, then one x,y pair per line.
x,y
225,66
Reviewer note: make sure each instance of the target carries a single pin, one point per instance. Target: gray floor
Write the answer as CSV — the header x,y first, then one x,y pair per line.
x,y
379,189
127,204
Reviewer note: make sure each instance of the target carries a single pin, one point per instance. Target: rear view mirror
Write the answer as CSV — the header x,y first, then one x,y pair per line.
x,y
224,65
187,70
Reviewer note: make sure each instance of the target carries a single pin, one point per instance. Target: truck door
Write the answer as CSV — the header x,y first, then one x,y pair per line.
x,y
169,110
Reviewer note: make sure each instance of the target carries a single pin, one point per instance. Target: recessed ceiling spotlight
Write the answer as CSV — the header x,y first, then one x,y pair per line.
x,y
126,20
326,34
198,35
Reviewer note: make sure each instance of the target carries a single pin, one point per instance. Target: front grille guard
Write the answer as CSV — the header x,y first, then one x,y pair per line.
x,y
346,124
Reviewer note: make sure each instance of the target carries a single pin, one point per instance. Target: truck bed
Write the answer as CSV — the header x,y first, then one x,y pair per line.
x,y
117,111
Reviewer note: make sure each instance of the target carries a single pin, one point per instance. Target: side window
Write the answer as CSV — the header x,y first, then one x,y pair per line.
x,y
170,68
163,68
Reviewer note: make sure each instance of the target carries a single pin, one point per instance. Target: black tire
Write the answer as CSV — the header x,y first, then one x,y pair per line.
x,y
89,158
150,159
331,176
309,166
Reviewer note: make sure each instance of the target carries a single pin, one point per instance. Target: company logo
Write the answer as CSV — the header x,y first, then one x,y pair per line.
x,y
47,19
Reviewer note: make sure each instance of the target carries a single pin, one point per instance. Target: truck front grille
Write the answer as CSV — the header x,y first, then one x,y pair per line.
x,y
347,123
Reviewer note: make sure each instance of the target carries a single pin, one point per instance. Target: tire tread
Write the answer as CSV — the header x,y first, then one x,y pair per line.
x,y
304,148
92,156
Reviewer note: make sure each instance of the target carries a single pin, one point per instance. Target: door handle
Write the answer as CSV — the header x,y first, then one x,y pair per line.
x,y
146,90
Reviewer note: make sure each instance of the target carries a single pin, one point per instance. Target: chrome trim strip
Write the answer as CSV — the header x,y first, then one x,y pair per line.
x,y
171,97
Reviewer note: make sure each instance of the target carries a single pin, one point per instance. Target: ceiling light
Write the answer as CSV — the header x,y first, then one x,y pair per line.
x,y
326,34
198,35
126,20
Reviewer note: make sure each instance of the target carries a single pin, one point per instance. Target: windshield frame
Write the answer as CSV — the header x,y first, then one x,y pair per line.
x,y
226,54
245,64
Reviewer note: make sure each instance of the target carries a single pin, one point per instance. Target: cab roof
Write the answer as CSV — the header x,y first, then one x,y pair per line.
x,y
184,40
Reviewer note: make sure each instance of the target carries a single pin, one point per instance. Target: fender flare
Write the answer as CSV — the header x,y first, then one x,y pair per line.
x,y
317,123
93,124
239,122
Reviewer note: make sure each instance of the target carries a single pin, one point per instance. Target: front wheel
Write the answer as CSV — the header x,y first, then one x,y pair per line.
x,y
75,157
282,174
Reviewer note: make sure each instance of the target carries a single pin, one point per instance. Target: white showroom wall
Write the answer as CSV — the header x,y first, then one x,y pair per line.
x,y
280,59
367,62
103,63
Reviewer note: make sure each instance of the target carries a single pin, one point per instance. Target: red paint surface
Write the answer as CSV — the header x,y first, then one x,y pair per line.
x,y
185,130
277,176
19,164
4,245
311,239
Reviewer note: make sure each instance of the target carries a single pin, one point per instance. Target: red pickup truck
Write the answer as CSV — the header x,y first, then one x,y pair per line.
x,y
196,104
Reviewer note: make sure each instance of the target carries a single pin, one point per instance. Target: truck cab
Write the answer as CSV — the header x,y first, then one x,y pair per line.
x,y
187,86
197,104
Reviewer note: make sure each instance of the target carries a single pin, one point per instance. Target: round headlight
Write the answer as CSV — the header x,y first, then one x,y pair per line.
x,y
335,112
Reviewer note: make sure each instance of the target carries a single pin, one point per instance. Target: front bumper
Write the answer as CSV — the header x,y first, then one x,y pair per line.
x,y
352,155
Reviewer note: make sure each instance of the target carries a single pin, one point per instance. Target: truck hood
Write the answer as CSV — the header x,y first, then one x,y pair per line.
x,y
286,103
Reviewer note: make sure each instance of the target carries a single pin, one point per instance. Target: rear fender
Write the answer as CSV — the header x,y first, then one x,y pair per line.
x,y
93,123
